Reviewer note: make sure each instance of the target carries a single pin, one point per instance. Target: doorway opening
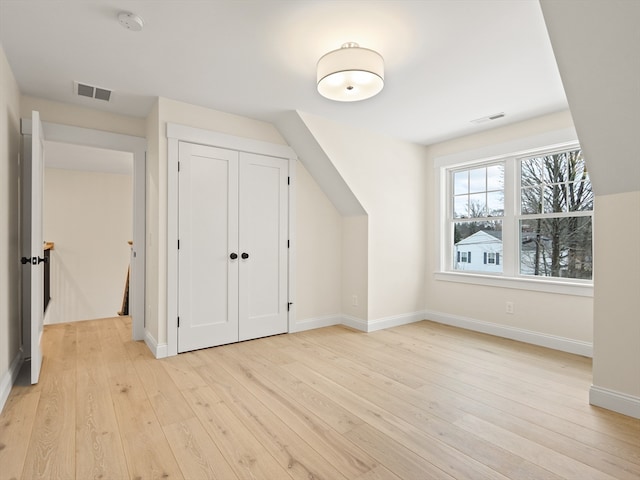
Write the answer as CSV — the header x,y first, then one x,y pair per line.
x,y
88,221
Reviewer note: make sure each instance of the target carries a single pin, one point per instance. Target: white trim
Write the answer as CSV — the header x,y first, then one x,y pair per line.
x,y
316,322
9,378
181,133
159,350
563,344
616,401
519,283
185,133
355,323
173,156
291,280
521,146
126,143
395,321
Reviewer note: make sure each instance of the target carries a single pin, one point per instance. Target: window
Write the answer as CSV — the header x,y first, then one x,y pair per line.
x,y
555,221
525,216
477,212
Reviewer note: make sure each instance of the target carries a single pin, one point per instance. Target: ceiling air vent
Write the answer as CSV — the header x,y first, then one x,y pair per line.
x,y
495,116
90,91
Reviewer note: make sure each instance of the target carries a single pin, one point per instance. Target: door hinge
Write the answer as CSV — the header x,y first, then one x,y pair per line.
x,y
178,322
178,244
288,244
289,306
178,166
288,180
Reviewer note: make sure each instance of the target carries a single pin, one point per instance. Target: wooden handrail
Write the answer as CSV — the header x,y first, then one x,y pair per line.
x,y
48,245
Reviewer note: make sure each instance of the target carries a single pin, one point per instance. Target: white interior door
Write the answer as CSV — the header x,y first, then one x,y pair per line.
x,y
32,246
208,239
264,222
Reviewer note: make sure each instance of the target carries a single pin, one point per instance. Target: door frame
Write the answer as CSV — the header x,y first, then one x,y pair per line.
x,y
177,133
137,146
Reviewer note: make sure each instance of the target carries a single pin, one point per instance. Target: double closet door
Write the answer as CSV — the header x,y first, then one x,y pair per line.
x,y
233,246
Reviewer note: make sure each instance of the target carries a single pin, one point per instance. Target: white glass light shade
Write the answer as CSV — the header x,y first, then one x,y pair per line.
x,y
350,73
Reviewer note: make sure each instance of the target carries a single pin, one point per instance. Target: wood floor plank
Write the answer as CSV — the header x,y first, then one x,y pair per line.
x,y
412,402
246,455
264,384
16,425
289,449
51,453
146,449
197,455
99,450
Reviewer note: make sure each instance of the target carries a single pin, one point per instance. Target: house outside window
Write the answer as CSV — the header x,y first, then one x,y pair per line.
x,y
527,215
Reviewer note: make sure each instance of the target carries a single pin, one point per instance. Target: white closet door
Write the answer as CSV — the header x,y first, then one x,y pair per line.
x,y
263,240
208,233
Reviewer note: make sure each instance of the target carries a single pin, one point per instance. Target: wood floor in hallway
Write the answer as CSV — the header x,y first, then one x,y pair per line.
x,y
420,401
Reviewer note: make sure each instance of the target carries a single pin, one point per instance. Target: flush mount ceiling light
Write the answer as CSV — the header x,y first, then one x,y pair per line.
x,y
350,73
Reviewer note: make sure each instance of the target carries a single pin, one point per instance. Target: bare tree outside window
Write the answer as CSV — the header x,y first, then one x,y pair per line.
x,y
556,201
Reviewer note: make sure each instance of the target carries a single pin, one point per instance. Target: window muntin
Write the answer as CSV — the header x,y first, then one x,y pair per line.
x,y
477,209
545,203
555,221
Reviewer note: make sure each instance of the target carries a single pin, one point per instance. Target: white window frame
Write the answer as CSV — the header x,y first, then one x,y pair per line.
x,y
510,153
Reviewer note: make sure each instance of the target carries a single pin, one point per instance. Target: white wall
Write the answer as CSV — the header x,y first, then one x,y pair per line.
x,y
355,268
616,364
568,317
387,177
10,333
88,216
318,252
596,48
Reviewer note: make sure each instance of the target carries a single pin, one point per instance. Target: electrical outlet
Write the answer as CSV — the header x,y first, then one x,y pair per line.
x,y
354,300
509,307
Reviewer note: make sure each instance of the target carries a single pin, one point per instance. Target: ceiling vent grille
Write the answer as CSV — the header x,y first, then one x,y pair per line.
x,y
90,91
495,116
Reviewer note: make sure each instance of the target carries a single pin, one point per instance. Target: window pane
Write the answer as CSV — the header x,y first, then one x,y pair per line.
x,y
477,180
556,247
531,200
554,168
461,206
555,198
461,182
580,196
495,177
530,173
478,205
473,242
495,204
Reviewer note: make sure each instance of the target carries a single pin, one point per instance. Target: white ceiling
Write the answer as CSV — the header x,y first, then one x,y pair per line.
x,y
447,61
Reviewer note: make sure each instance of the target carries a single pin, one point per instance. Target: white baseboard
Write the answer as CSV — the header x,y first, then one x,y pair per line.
x,y
616,401
395,321
527,336
317,322
159,350
8,379
355,323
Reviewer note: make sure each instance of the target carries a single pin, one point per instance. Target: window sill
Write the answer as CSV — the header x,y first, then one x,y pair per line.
x,y
537,285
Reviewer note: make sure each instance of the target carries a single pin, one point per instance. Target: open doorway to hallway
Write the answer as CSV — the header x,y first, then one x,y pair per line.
x,y
88,216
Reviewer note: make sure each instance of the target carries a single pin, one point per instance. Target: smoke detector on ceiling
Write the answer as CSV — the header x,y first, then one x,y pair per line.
x,y
90,91
130,21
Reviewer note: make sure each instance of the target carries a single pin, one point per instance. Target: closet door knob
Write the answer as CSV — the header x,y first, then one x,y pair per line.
x,y
245,256
233,256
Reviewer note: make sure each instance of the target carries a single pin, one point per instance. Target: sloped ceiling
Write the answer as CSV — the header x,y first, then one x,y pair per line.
x,y
597,47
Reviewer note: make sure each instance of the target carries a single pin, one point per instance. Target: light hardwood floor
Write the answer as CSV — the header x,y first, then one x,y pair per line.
x,y
421,401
